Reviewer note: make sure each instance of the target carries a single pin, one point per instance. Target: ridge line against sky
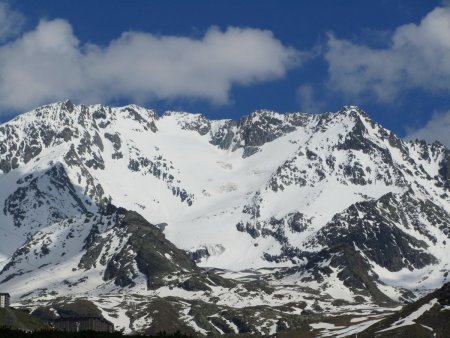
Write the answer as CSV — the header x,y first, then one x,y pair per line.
x,y
226,59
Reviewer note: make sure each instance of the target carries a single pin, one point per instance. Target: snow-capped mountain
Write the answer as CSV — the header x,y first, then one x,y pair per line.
x,y
331,201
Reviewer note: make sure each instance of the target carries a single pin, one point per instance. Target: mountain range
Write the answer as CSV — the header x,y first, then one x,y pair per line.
x,y
178,222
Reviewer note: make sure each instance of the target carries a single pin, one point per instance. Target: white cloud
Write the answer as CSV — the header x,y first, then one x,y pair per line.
x,y
437,129
308,100
10,22
418,57
49,63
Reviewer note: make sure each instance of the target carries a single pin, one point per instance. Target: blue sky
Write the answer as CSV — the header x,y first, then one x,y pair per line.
x,y
226,59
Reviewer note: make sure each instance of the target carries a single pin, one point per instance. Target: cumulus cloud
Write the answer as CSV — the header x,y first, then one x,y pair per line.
x,y
49,63
10,22
307,99
418,56
437,129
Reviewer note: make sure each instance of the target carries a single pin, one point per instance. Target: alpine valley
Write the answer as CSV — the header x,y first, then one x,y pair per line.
x,y
277,224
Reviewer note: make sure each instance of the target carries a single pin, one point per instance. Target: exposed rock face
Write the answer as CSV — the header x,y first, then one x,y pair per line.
x,y
33,197
352,268
154,256
224,135
445,169
264,126
379,237
160,168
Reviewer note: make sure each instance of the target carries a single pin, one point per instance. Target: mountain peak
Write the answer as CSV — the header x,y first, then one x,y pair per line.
x,y
353,111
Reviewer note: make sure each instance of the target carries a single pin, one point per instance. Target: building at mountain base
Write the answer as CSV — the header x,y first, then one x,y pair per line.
x,y
4,300
77,324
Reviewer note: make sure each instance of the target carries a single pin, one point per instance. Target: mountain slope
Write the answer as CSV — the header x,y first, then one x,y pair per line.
x,y
427,317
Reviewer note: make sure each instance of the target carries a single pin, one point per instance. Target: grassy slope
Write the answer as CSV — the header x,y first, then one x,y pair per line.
x,y
18,319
